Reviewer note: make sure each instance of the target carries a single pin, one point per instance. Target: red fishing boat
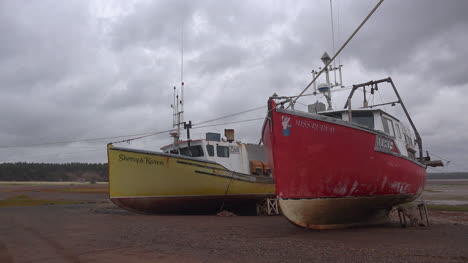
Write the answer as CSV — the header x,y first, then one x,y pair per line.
x,y
340,168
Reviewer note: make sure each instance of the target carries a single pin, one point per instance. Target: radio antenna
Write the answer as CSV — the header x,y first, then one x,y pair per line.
x,y
182,72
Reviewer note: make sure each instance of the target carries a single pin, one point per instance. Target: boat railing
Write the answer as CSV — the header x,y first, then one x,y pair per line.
x,y
374,85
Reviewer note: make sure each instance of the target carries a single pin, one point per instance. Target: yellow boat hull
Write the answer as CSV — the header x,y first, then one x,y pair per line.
x,y
152,182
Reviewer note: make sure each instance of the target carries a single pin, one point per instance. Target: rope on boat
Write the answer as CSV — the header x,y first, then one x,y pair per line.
x,y
225,193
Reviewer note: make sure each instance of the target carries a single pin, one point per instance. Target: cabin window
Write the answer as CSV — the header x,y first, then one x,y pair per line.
x,y
210,150
184,151
195,151
398,130
408,140
363,118
222,151
388,126
174,151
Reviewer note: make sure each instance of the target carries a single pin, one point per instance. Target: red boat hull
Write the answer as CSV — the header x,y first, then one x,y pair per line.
x,y
330,173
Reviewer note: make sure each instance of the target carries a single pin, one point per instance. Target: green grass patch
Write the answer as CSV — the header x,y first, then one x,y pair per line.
x,y
45,183
24,200
102,190
454,208
429,190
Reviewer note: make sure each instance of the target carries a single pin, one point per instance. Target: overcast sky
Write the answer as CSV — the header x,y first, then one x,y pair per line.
x,y
74,70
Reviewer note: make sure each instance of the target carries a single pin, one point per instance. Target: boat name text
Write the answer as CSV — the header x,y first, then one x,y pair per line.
x,y
139,160
315,126
384,143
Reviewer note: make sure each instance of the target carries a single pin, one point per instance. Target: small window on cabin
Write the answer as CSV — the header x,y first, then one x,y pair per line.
x,y
398,130
388,126
210,150
363,118
222,151
174,151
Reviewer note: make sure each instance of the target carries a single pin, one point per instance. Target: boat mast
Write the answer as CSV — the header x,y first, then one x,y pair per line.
x,y
178,106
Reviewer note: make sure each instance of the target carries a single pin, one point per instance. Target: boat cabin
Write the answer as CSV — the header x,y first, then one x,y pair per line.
x,y
235,156
378,120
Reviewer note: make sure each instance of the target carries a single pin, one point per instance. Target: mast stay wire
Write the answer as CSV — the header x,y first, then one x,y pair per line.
x,y
230,115
448,161
333,35
337,53
339,29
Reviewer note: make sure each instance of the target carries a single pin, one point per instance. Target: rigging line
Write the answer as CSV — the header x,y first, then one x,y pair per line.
x,y
333,34
303,104
317,94
448,161
199,127
232,122
72,141
230,115
143,136
140,135
385,108
51,154
339,51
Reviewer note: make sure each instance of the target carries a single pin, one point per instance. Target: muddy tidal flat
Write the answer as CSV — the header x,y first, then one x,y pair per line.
x,y
72,222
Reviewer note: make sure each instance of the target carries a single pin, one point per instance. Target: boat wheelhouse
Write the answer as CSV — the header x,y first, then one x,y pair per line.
x,y
237,157
376,119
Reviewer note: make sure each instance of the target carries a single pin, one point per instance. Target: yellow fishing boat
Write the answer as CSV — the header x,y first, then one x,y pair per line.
x,y
190,177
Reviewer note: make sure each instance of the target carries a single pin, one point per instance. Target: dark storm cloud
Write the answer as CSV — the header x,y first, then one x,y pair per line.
x,y
219,59
83,69
426,37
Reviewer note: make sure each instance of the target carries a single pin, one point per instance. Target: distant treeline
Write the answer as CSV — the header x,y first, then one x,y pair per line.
x,y
56,172
447,176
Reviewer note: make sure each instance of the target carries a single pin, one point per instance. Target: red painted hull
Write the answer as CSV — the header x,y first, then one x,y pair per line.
x,y
317,157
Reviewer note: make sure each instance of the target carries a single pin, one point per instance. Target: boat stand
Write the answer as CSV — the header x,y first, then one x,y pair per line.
x,y
404,214
268,206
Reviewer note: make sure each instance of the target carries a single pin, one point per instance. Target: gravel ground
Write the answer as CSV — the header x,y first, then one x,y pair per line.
x,y
105,233
101,232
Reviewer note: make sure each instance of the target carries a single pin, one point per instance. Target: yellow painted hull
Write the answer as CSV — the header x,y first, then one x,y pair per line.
x,y
151,182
